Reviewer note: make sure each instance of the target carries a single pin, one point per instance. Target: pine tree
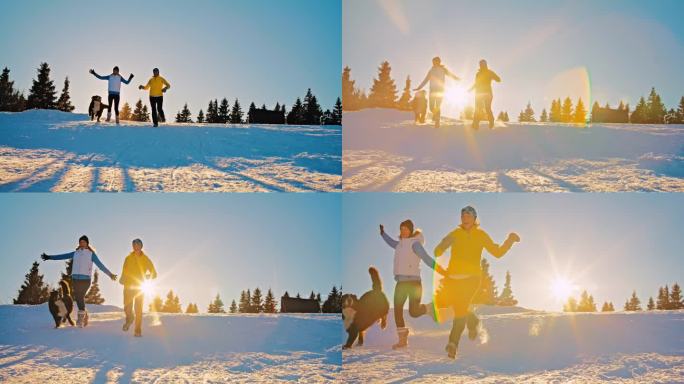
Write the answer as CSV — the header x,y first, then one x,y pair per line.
x,y
337,113
223,112
42,93
171,304
676,298
233,307
257,301
651,304
507,299
488,292
144,115
679,115
404,102
140,112
527,115
312,110
555,116
125,113
277,107
607,307
663,300
544,116
640,113
500,117
200,116
351,100
595,111
296,115
212,112
633,304
269,302
34,290
506,118
236,113
383,93
183,116
10,99
157,304
586,303
251,112
333,304
655,109
244,302
93,296
64,101
567,111
216,306
571,305
580,115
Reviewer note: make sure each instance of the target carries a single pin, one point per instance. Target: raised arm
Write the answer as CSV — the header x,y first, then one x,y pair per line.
x,y
98,76
102,267
425,81
497,250
444,245
127,81
448,73
420,251
390,241
64,256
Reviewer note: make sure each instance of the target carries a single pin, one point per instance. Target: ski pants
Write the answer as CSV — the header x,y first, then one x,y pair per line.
x,y
80,288
460,295
413,291
156,103
483,101
114,99
133,299
436,105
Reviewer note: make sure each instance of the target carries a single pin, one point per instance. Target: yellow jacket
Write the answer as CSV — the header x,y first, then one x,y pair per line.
x,y
156,85
134,269
466,250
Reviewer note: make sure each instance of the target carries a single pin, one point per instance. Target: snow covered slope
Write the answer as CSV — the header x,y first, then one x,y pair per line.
x,y
44,150
178,348
384,150
530,347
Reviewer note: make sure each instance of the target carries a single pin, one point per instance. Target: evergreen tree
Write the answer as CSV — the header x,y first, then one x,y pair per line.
x,y
184,115
312,296
216,306
257,301
571,305
277,107
566,111
595,111
296,115
488,292
633,304
223,112
383,93
236,113
663,300
655,109
351,100
507,299
250,307
580,113
93,296
212,112
140,112
312,110
333,304
640,113
157,304
318,299
337,113
527,115
651,304
607,307
233,307
64,101
586,303
555,116
679,114
505,117
42,93
10,99
144,115
125,113
200,116
244,302
34,290
269,302
251,112
544,116
676,298
500,117
192,308
172,304
404,102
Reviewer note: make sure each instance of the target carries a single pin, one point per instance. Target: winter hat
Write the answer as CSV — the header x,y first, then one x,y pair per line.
x,y
138,241
84,238
469,210
408,224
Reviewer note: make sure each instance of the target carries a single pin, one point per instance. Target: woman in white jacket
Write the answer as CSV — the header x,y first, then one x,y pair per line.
x,y
408,253
81,270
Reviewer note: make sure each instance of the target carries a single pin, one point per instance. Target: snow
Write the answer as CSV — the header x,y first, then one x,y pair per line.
x,y
524,346
44,150
384,150
178,348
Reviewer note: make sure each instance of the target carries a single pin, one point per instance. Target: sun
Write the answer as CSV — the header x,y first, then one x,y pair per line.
x,y
456,96
562,288
148,288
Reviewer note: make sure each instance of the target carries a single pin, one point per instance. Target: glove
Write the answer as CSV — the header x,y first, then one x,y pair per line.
x,y
382,229
130,77
141,87
513,237
164,90
154,276
92,71
113,277
44,256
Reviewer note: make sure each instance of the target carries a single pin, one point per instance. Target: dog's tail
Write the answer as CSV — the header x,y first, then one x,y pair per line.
x,y
65,288
375,278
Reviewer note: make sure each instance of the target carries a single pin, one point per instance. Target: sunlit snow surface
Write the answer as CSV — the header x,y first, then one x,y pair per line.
x,y
384,150
60,152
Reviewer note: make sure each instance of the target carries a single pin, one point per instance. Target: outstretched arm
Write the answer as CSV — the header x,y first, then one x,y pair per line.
x,y
448,73
443,245
420,251
390,241
98,76
497,250
127,81
64,256
102,267
427,78
495,77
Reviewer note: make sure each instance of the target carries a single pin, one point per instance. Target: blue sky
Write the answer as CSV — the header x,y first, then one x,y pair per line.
x,y
200,243
256,50
609,244
541,50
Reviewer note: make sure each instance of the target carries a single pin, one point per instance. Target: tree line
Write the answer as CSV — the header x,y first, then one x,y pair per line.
x,y
43,93
666,300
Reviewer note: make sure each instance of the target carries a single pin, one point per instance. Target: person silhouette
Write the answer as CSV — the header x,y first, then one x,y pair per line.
x,y
483,93
436,76
157,86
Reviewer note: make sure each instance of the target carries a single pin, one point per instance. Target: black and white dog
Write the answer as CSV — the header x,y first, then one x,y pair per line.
x,y
359,314
61,304
96,107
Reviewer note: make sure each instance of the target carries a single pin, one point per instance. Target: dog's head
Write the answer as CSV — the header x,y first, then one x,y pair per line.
x,y
54,295
96,98
348,311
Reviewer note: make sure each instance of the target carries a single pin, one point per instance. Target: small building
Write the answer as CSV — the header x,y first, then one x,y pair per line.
x,y
298,305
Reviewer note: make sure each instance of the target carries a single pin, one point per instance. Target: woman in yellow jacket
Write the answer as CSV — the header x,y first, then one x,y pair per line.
x,y
157,86
465,273
136,266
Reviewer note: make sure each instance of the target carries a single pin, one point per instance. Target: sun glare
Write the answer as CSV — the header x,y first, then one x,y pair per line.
x,y
148,288
457,96
562,288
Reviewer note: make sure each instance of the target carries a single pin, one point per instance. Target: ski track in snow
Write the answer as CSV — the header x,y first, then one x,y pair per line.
x,y
529,347
384,150
59,152
180,348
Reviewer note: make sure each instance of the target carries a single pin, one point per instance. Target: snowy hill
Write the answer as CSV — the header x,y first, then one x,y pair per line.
x,y
522,346
384,150
178,348
43,150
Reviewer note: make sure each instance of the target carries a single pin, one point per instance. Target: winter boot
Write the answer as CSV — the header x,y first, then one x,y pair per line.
x,y
127,325
85,319
109,116
473,324
117,119
138,332
403,338
452,350
81,319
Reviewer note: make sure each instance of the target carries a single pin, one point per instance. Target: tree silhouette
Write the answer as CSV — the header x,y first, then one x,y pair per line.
x,y
257,301
200,116
64,101
567,111
42,92
651,304
171,304
191,308
157,304
233,307
404,102
580,115
675,301
351,100
223,112
236,113
544,117
507,299
383,93
125,113
640,113
270,302
655,109
34,290
216,306
488,292
11,100
184,115
633,304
